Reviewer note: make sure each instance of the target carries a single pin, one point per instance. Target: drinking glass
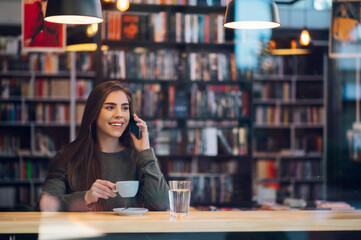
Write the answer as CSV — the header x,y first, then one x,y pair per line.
x,y
179,198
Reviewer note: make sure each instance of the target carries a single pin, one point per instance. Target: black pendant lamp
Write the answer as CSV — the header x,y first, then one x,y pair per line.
x,y
252,14
80,39
74,11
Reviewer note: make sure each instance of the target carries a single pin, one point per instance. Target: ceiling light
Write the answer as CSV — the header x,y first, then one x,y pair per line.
x,y
305,38
123,5
74,11
252,14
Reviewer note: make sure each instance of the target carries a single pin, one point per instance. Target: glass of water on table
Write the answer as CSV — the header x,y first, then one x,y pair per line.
x,y
179,199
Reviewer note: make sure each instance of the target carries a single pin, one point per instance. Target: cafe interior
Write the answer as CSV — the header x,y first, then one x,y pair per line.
x,y
291,141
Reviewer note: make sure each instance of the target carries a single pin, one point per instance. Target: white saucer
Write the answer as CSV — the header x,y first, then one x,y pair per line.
x,y
130,211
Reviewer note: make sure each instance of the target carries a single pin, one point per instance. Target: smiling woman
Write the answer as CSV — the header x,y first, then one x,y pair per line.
x,y
84,172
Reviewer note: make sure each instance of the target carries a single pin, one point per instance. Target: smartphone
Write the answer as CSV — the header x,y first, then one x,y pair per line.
x,y
134,128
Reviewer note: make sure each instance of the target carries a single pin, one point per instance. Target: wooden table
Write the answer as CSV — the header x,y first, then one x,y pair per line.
x,y
100,223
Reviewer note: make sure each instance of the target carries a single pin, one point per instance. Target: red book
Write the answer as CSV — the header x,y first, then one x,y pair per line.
x,y
130,27
245,106
171,100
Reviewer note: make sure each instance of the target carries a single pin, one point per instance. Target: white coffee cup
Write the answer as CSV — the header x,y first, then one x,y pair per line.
x,y
127,188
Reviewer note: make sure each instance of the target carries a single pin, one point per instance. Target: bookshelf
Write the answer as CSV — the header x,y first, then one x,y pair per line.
x,y
179,61
196,103
40,95
290,128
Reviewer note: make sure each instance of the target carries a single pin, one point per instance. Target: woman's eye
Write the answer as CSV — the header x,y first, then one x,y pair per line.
x,y
109,107
124,109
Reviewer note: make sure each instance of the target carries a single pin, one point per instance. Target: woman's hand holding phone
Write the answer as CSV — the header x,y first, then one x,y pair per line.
x,y
143,142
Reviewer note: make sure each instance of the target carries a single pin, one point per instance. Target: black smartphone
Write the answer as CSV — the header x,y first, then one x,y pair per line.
x,y
134,128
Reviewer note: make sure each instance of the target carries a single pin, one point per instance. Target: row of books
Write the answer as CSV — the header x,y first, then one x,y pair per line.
x,y
13,197
39,112
272,91
271,143
270,192
44,87
211,141
212,189
10,112
212,67
306,169
15,63
206,141
85,61
149,99
49,62
199,166
48,112
46,62
183,2
9,144
265,169
135,26
7,197
197,28
161,27
168,64
10,87
285,115
308,143
23,170
163,64
222,101
167,141
226,166
289,65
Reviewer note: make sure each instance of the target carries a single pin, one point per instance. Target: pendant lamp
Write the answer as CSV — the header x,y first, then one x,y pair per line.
x,y
74,11
305,37
287,46
252,14
79,39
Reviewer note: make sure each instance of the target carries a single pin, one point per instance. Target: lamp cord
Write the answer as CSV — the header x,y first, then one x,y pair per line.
x,y
305,14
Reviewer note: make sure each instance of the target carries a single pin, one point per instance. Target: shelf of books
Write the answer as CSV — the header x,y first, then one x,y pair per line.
x,y
290,126
179,62
35,116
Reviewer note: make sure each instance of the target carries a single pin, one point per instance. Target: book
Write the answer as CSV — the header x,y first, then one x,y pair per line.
x,y
130,27
210,141
224,143
180,104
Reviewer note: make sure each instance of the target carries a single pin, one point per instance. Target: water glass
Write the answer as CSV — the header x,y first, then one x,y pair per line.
x,y
179,198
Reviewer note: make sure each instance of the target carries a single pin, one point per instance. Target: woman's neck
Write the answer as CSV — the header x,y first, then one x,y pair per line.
x,y
110,146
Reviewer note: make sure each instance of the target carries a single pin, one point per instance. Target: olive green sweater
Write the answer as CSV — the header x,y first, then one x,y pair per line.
x,y
119,166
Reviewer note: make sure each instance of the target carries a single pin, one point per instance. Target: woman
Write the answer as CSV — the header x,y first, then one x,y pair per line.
x,y
83,175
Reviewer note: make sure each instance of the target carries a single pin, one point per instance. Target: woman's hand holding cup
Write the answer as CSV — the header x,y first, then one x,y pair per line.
x,y
127,189
100,189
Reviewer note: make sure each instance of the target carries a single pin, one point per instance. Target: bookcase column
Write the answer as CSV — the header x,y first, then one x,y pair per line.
x,y
72,95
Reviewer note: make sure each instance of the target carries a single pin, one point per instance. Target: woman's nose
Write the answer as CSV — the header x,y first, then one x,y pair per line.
x,y
118,113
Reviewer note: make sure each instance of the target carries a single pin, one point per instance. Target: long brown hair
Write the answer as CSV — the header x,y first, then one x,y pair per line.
x,y
81,157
